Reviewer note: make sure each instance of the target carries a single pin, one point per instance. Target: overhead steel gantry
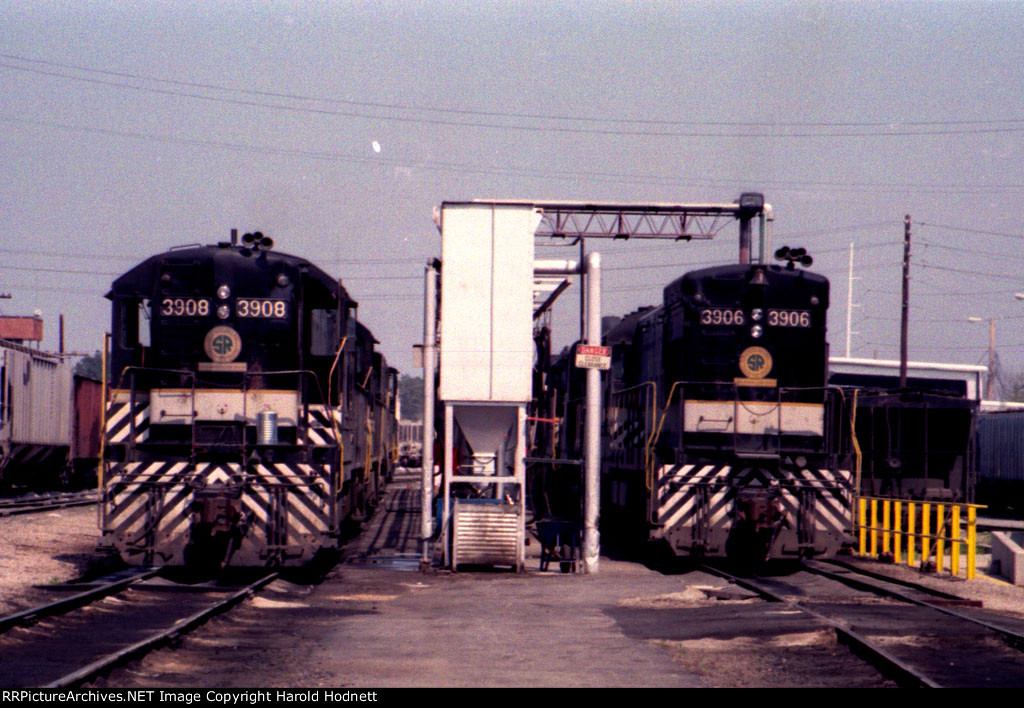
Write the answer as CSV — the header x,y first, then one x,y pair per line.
x,y
624,220
679,222
576,221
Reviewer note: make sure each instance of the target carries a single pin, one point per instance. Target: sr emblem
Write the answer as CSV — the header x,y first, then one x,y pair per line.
x,y
222,344
755,362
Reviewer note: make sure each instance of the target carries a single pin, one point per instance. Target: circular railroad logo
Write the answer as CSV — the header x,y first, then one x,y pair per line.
x,y
755,362
222,344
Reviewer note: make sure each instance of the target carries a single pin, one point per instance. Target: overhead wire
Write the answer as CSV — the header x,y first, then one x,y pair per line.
x,y
502,114
894,127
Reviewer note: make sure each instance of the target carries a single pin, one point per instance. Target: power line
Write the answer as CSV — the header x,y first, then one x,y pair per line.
x,y
471,168
893,131
375,161
495,114
970,231
1014,278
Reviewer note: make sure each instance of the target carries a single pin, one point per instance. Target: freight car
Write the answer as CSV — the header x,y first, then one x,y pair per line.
x,y
250,415
918,441
1001,461
49,421
410,443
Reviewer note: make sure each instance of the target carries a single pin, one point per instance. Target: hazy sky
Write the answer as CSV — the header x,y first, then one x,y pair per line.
x,y
128,128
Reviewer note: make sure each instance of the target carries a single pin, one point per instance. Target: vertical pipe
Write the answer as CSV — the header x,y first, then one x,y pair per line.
x,y
583,293
874,528
499,467
940,543
989,387
954,550
100,481
886,525
520,472
849,301
911,526
926,529
427,447
862,534
447,469
897,522
592,431
905,311
762,256
745,229
972,517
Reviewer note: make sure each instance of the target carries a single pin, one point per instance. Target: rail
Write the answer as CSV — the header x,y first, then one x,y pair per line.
x,y
933,527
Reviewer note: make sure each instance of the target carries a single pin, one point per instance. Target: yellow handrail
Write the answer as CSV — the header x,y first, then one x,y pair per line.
x,y
917,515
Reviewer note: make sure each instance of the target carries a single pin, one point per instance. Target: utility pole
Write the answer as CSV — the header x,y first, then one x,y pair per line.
x,y
993,364
849,303
990,388
904,318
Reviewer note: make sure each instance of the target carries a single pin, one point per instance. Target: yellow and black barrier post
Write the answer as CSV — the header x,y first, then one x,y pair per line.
x,y
901,519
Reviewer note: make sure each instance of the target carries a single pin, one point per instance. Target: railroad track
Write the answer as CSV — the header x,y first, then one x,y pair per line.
x,y
46,502
912,634
72,641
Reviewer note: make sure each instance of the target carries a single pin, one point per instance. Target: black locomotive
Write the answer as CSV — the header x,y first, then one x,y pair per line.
x,y
249,416
721,434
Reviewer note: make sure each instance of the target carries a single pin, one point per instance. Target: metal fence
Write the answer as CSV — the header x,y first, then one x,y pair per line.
x,y
906,531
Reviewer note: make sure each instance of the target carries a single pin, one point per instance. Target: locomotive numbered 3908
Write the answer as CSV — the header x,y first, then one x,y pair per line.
x,y
249,415
723,437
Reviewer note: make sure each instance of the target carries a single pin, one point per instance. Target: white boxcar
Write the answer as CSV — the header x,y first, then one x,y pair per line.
x,y
35,415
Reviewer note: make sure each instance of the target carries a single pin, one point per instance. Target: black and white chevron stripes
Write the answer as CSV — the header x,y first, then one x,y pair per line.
x,y
695,500
291,508
122,415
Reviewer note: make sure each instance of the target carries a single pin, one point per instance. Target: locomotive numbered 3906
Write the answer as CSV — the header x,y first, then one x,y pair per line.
x,y
249,414
722,436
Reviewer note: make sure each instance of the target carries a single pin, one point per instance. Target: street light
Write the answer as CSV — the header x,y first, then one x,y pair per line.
x,y
990,386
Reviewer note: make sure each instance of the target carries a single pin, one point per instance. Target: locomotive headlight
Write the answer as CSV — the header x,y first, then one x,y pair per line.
x,y
756,314
756,331
223,312
814,299
223,292
282,280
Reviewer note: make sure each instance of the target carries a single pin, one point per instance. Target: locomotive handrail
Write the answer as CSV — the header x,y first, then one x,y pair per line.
x,y
130,372
135,369
648,458
918,513
653,388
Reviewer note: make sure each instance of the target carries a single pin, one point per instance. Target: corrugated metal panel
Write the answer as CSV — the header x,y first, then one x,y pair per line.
x,y
39,406
1001,446
485,534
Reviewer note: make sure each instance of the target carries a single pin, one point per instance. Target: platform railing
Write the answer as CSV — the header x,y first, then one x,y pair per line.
x,y
908,531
